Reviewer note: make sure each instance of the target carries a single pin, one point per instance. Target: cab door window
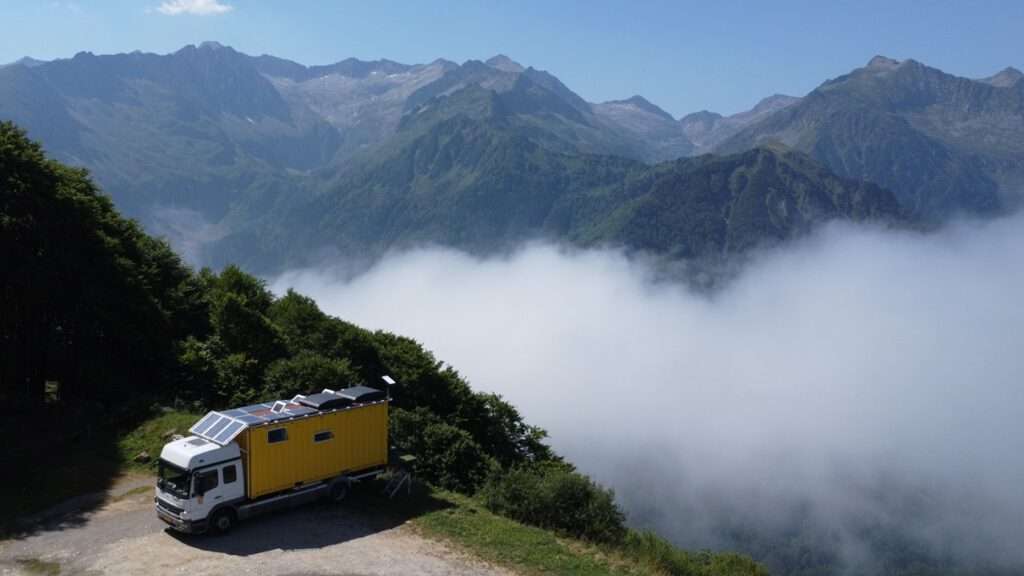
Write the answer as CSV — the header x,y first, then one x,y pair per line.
x,y
206,481
230,474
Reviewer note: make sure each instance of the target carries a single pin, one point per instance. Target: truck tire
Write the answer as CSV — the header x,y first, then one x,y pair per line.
x,y
339,490
222,521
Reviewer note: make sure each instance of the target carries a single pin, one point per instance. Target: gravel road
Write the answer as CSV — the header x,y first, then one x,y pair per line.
x,y
124,536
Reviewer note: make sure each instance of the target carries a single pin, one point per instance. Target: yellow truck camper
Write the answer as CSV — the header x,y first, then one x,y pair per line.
x,y
245,460
286,453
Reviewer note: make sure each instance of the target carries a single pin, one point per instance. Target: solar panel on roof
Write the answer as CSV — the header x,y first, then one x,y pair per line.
x,y
204,424
223,427
217,427
229,432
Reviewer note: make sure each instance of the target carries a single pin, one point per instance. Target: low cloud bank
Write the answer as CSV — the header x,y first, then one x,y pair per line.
x,y
860,384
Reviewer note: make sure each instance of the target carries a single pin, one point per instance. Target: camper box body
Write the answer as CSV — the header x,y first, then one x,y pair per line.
x,y
313,447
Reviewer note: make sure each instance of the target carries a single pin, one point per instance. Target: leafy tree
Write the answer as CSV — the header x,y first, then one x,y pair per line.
x,y
236,374
446,455
307,372
243,328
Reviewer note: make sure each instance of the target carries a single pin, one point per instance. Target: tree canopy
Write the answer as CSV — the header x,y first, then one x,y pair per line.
x,y
100,320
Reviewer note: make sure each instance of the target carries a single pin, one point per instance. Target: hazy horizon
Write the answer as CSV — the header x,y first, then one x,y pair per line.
x,y
683,57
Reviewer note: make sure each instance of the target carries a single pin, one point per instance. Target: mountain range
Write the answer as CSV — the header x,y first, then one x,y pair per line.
x,y
271,163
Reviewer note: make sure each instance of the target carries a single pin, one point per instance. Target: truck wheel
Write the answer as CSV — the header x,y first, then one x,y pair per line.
x,y
222,522
339,490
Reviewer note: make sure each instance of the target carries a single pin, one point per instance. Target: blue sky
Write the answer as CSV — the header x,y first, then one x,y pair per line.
x,y
683,56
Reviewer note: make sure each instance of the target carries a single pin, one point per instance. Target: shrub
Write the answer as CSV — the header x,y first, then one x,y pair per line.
x,y
554,496
655,551
446,456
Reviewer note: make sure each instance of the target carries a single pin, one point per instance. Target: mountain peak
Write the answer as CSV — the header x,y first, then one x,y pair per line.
x,y
774,102
1006,77
883,63
505,64
211,45
28,62
644,104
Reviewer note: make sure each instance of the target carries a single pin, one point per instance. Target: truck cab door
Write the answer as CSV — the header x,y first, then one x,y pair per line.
x,y
232,480
206,492
215,486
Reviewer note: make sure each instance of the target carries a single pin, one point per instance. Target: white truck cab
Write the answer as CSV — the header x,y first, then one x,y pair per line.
x,y
199,484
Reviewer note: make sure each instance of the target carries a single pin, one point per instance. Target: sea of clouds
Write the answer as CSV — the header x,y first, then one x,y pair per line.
x,y
856,380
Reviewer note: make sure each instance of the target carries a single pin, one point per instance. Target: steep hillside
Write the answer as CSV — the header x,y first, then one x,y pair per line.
x,y
364,101
659,135
260,159
467,172
941,143
713,205
198,142
708,129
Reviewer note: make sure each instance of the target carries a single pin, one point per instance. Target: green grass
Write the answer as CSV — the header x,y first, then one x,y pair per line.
x,y
39,567
92,467
523,548
465,522
150,437
658,554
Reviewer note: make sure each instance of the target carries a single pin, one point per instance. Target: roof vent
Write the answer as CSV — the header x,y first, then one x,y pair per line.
x,y
278,406
361,394
325,401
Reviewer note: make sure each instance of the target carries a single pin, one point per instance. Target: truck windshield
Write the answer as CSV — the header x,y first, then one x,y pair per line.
x,y
173,479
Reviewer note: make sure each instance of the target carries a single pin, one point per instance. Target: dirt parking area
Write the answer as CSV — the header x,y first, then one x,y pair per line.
x,y
124,536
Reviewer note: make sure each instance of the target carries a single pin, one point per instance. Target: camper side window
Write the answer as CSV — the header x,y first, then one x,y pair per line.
x,y
275,436
323,436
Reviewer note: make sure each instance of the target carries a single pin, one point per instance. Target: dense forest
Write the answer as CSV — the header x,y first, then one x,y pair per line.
x,y
101,323
100,320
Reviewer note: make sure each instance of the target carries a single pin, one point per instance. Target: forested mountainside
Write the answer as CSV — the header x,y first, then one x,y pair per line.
x,y
206,145
943,144
469,175
99,319
209,129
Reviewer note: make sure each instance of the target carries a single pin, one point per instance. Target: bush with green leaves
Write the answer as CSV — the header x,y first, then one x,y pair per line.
x,y
653,550
446,456
554,496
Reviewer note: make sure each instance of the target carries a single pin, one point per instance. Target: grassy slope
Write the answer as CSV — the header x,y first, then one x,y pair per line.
x,y
93,466
508,543
530,550
150,437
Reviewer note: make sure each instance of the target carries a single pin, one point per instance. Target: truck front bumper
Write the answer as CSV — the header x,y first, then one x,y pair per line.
x,y
180,524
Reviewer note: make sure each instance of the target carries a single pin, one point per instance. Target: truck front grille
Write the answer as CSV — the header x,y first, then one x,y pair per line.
x,y
168,507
